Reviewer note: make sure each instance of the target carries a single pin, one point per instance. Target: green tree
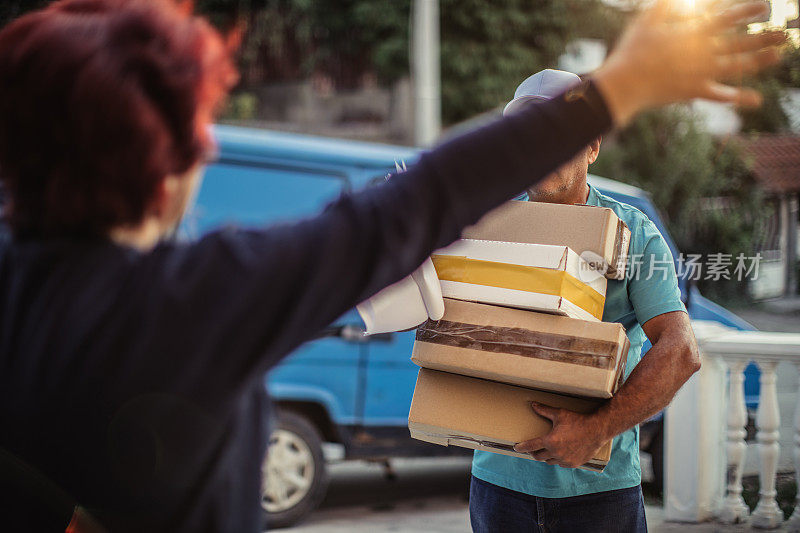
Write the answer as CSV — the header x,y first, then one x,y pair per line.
x,y
772,83
701,186
490,46
287,40
487,47
770,117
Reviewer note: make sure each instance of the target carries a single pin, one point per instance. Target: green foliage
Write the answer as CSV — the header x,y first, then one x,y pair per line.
x,y
223,13
770,117
772,83
241,106
788,71
663,152
490,46
292,39
487,48
701,186
348,38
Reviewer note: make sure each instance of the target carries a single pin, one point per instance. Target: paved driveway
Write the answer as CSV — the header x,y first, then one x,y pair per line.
x,y
427,495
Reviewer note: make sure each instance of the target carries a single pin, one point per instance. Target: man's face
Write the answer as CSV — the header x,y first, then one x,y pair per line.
x,y
568,181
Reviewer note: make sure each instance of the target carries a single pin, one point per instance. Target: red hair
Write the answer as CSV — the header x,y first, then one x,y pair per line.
x,y
100,100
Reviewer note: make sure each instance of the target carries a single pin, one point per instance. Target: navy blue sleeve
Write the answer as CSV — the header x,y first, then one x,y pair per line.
x,y
250,297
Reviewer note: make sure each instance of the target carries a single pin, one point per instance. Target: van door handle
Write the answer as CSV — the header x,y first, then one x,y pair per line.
x,y
355,333
352,333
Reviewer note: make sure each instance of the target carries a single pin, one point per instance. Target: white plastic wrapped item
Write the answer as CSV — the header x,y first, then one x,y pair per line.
x,y
405,304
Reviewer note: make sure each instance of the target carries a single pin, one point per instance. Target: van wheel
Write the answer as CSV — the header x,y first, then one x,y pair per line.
x,y
294,478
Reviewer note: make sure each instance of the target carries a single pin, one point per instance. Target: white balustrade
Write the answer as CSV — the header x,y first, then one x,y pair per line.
x,y
715,447
793,524
734,509
767,514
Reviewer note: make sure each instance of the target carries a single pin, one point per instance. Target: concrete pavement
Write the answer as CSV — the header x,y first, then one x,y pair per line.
x,y
450,515
441,516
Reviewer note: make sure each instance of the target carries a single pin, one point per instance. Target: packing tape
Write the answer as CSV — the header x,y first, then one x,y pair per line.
x,y
522,278
622,364
620,256
518,341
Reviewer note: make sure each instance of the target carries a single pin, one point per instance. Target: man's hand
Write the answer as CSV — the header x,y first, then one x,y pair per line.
x,y
650,387
572,442
575,437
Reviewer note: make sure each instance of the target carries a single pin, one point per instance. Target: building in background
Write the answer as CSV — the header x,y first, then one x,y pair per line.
x,y
775,163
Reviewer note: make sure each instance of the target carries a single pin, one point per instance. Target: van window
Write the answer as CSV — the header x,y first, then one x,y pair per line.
x,y
249,195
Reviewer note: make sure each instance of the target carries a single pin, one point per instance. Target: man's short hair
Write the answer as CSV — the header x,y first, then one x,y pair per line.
x,y
100,100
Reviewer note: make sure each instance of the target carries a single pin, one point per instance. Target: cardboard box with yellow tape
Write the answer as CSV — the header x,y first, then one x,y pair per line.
x,y
594,233
546,278
453,410
525,348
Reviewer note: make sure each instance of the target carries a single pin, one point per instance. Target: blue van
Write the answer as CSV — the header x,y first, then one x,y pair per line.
x,y
343,387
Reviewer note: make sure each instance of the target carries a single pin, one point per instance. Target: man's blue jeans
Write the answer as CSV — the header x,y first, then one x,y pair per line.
x,y
494,509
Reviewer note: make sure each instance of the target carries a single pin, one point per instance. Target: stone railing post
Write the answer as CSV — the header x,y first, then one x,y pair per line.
x,y
767,514
734,509
793,524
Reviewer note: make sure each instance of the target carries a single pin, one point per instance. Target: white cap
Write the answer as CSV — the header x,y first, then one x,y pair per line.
x,y
544,85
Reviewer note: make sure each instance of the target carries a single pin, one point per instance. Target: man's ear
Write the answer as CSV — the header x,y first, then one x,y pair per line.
x,y
594,149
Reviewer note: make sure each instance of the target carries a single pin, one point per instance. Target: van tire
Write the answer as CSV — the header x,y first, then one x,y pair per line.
x,y
297,437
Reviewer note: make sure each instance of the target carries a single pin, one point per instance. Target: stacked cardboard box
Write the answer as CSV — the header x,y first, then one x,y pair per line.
x,y
454,410
483,364
528,349
584,228
539,277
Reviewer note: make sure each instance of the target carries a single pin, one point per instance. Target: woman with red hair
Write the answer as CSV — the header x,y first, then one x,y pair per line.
x,y
131,368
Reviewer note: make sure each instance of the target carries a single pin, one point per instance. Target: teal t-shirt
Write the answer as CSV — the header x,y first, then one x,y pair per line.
x,y
650,288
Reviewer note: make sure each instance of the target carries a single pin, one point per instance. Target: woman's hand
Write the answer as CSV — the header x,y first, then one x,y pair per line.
x,y
667,57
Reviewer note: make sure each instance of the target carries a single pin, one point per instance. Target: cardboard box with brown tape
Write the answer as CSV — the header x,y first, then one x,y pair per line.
x,y
548,278
525,348
594,233
453,410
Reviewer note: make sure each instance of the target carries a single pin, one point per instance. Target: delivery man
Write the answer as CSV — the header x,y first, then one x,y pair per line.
x,y
511,494
131,369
